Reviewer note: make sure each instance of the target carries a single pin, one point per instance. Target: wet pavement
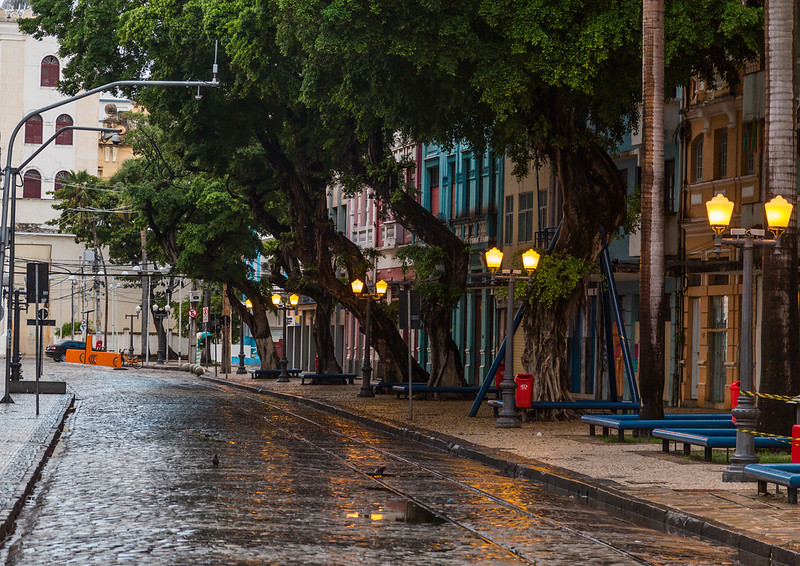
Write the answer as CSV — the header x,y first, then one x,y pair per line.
x,y
133,479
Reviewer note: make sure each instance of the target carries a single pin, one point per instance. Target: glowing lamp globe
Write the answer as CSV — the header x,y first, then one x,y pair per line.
x,y
779,211
294,299
494,258
381,287
357,286
530,260
276,299
719,210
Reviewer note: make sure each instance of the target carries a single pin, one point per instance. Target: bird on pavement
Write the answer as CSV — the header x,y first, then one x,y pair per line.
x,y
215,461
377,472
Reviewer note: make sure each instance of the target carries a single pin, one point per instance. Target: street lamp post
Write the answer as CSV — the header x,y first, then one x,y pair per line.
x,y
241,369
132,316
508,417
280,302
360,289
160,313
719,210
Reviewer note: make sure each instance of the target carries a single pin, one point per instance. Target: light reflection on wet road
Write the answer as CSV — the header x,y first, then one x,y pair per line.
x,y
133,481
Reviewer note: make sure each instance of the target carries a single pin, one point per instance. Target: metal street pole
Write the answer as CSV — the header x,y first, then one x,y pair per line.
x,y
241,369
366,369
508,417
284,375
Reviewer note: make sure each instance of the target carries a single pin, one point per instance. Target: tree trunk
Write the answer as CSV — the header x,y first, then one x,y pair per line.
x,y
326,350
651,273
447,369
594,200
780,367
256,320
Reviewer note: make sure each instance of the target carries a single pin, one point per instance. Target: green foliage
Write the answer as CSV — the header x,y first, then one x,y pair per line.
x,y
428,263
633,213
65,331
555,278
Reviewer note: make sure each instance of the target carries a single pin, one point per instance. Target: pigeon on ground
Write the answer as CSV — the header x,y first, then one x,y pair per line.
x,y
377,472
215,461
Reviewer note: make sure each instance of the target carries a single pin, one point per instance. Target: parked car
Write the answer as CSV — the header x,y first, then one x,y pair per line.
x,y
58,351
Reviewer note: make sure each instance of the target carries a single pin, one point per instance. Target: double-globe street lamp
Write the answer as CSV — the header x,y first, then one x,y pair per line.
x,y
161,313
241,369
360,289
284,303
508,417
132,316
719,210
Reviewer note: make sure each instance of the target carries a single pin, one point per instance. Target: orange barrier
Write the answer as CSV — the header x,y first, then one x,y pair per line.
x,y
93,357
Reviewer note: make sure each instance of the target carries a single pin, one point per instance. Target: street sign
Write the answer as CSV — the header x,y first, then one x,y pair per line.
x,y
195,296
192,313
205,314
32,322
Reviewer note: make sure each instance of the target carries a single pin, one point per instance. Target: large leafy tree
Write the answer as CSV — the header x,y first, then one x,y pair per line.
x,y
538,79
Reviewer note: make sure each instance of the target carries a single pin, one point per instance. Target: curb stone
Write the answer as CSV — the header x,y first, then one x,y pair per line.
x,y
564,482
31,460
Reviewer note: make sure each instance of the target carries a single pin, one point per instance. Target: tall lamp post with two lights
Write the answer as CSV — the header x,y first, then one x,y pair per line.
x,y
719,210
283,303
132,316
160,313
508,417
241,369
360,290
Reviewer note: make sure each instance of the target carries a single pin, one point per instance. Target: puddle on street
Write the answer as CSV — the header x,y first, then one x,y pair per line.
x,y
403,511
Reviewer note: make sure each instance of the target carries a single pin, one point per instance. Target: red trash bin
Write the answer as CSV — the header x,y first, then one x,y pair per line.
x,y
735,388
500,374
524,390
796,444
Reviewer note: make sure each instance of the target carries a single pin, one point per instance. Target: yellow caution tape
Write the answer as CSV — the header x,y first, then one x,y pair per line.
x,y
779,438
786,398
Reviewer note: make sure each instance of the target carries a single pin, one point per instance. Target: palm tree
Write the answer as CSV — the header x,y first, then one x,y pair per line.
x,y
780,369
651,274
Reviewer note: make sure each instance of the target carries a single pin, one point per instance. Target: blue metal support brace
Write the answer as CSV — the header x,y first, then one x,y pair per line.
x,y
605,263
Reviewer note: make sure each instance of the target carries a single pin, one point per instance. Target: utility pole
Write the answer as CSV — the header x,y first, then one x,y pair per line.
x,y
145,298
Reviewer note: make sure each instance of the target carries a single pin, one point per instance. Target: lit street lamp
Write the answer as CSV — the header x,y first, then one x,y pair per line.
x,y
719,210
360,289
160,313
280,303
530,260
241,369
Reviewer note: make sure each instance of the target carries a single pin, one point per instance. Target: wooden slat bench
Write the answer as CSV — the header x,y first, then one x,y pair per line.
x,y
708,439
779,474
321,378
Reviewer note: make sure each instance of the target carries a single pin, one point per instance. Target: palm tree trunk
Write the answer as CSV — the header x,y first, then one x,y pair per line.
x,y
780,369
651,272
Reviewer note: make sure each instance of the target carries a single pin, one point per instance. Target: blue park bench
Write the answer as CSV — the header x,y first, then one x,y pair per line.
x,y
584,404
402,390
621,423
272,373
708,438
321,378
779,474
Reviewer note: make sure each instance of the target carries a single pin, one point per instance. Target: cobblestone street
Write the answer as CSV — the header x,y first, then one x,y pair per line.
x,y
133,481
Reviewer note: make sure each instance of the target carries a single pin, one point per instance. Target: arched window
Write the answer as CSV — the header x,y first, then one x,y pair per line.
x,y
49,71
32,184
61,177
64,138
33,129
